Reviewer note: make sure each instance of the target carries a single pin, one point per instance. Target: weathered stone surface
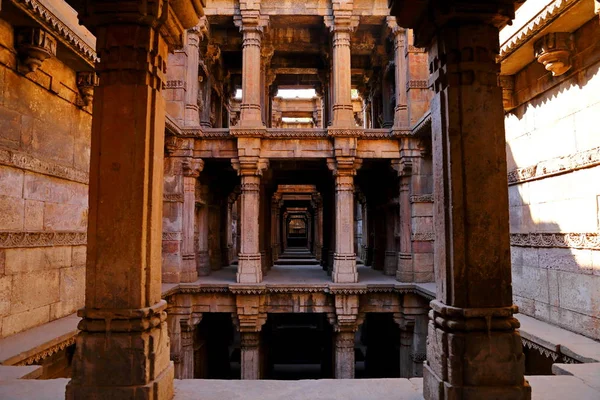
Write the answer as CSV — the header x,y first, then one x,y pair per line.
x,y
71,298
11,181
25,260
65,217
31,292
15,323
12,216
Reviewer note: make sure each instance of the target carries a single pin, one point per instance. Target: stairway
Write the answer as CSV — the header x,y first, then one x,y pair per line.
x,y
296,256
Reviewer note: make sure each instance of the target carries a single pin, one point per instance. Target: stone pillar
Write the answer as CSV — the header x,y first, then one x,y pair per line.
x,y
345,323
275,222
344,258
249,259
182,328
474,350
122,349
202,258
194,36
251,24
250,357
191,171
406,340
318,225
405,271
418,353
342,24
205,114
400,73
391,255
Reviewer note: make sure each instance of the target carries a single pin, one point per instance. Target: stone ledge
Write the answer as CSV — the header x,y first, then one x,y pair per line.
x,y
558,340
21,372
589,373
25,347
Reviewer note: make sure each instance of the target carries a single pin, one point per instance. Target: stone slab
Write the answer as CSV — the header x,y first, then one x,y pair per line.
x,y
589,373
552,337
21,372
18,347
543,388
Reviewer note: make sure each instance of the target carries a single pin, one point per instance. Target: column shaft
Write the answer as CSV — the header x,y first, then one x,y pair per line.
x,y
400,73
203,261
472,328
249,267
344,258
405,262
250,108
188,256
192,115
406,364
344,355
250,355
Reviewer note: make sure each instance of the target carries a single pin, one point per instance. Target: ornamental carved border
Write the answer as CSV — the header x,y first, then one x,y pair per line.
x,y
564,240
555,166
422,198
295,133
206,133
377,134
24,161
548,353
36,358
9,240
423,237
45,17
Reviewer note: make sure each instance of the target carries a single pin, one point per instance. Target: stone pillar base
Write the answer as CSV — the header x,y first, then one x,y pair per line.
x,y
405,268
344,268
122,354
249,268
474,353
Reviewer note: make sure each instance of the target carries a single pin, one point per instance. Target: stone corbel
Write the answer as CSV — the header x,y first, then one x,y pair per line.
x,y
192,167
344,165
250,165
554,51
86,82
251,313
403,166
347,316
507,83
34,46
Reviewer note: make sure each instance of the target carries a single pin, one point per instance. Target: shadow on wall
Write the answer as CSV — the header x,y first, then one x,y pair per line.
x,y
555,265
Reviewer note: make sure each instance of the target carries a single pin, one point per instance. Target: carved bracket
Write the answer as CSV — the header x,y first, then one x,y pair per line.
x,y
86,82
554,51
34,46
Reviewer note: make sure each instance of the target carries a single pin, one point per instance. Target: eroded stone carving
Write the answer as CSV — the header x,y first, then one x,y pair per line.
x,y
41,239
565,240
86,82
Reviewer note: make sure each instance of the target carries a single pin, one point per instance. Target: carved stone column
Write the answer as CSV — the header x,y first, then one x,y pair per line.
x,y
251,24
250,318
342,24
318,225
191,171
346,322
231,201
406,341
474,350
122,350
418,353
405,272
344,258
194,36
400,72
275,222
249,259
203,260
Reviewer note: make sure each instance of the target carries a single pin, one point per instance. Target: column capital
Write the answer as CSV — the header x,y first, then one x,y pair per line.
x,y
191,167
344,166
403,166
341,22
250,165
251,21
394,29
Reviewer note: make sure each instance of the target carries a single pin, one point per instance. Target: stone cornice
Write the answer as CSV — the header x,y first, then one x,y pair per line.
x,y
10,240
345,132
544,18
36,358
555,353
564,240
377,134
295,133
423,126
555,166
27,162
65,34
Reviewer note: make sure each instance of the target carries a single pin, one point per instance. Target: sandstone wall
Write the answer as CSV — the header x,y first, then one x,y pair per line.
x,y
44,163
553,151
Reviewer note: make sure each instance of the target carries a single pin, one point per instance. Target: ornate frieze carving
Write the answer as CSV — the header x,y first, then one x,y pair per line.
x,y
377,134
559,165
34,46
86,82
565,240
422,198
41,239
25,161
345,132
554,51
295,133
417,84
556,356
173,197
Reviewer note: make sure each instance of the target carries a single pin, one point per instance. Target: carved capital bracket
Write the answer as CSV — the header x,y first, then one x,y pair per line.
x,y
395,30
251,312
344,166
191,167
403,166
347,317
86,82
250,165
554,51
34,46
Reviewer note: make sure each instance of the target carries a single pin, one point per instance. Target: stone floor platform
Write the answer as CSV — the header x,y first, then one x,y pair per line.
x,y
543,388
